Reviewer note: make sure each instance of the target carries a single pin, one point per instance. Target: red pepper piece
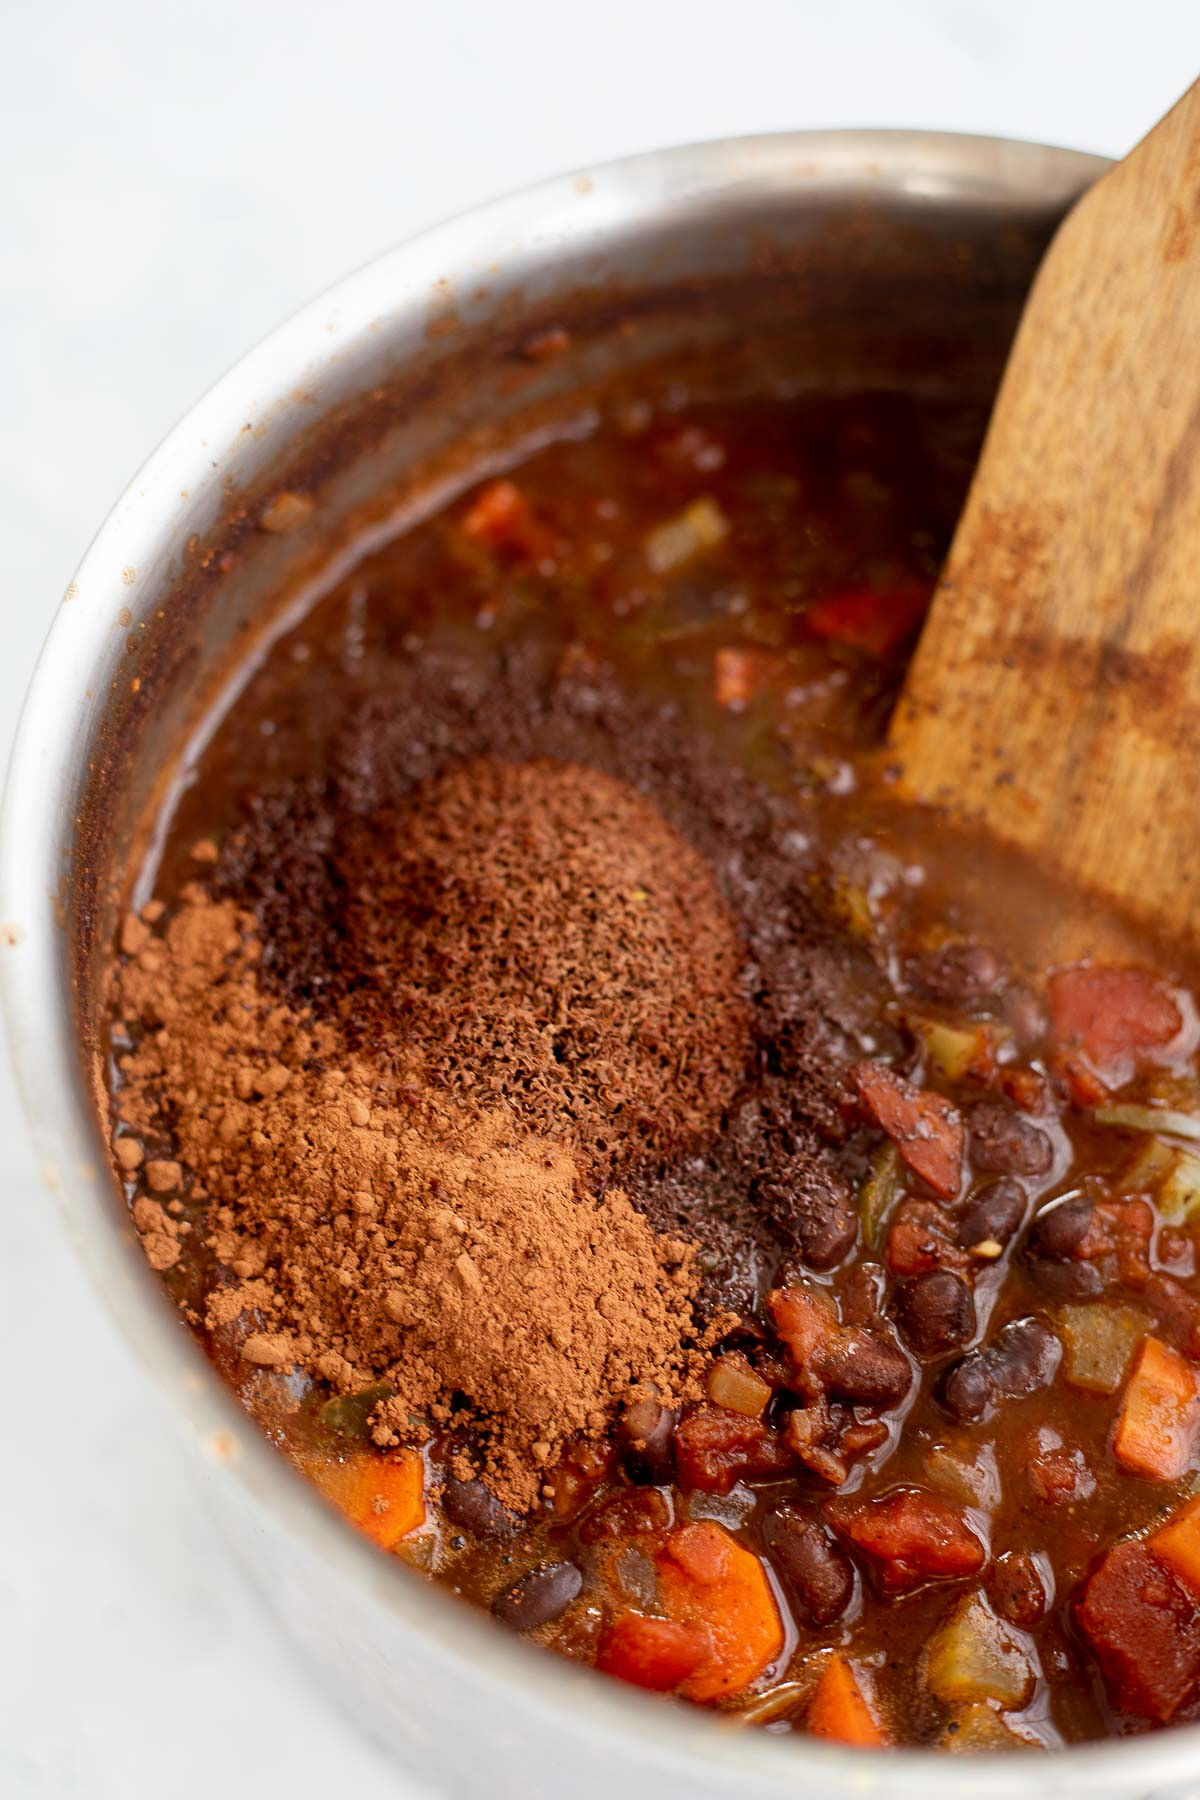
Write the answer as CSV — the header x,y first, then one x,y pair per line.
x,y
875,623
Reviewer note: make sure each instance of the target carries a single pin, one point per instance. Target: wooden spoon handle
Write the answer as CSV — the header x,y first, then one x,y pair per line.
x,y
1055,693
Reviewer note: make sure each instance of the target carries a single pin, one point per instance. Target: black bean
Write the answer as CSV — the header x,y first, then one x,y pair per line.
x,y
966,1388
542,1595
937,1312
1021,1358
1058,1231
816,1573
859,1366
1017,1589
956,974
646,1438
473,1506
809,1210
1005,1143
995,1214
1069,1280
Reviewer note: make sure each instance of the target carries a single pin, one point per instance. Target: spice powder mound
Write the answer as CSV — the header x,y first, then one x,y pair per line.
x,y
376,1219
539,933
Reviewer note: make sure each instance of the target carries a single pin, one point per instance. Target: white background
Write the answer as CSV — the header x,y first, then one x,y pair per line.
x,y
173,181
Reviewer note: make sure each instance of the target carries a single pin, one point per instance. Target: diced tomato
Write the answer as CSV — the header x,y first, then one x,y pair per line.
x,y
715,1449
839,1708
501,517
1107,1021
1177,1543
652,1653
1058,1473
382,1495
711,1582
911,1536
629,1513
1155,1434
1144,1630
925,1128
875,623
1124,1228
922,1239
583,1469
1024,1087
806,1322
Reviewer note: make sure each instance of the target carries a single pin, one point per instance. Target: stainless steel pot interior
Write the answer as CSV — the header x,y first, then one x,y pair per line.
x,y
805,258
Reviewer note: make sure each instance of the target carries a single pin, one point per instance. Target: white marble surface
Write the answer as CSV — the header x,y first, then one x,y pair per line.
x,y
174,180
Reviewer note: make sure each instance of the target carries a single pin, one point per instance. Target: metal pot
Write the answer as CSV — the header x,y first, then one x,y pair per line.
x,y
808,258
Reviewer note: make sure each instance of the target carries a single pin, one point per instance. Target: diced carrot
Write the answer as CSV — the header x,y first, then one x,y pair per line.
x,y
652,1653
925,1128
1178,1543
911,1536
1144,1629
711,1582
733,678
1106,1020
1155,1435
382,1495
875,623
501,517
839,1708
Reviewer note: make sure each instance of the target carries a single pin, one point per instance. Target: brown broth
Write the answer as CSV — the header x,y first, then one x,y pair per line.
x,y
820,497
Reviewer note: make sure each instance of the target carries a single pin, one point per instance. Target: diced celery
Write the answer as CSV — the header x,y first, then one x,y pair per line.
x,y
347,1414
975,1657
966,1475
879,1193
951,1049
1099,1340
700,526
1179,1195
980,1727
1127,1116
1150,1165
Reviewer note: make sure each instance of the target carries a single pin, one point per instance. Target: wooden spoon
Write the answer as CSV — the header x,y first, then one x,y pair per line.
x,y
1055,692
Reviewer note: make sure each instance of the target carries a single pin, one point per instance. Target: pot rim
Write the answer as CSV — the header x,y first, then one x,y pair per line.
x,y
47,770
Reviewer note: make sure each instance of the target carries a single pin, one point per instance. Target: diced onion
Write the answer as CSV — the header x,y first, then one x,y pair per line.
x,y
1128,1117
736,1387
698,527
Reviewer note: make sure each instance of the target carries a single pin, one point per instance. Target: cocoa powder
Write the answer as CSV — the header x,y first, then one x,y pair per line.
x,y
525,959
538,933
558,962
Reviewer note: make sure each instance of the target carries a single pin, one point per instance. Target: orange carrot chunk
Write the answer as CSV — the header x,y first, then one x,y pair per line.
x,y
1155,1434
652,1653
925,1128
839,1708
1177,1543
710,1582
382,1495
